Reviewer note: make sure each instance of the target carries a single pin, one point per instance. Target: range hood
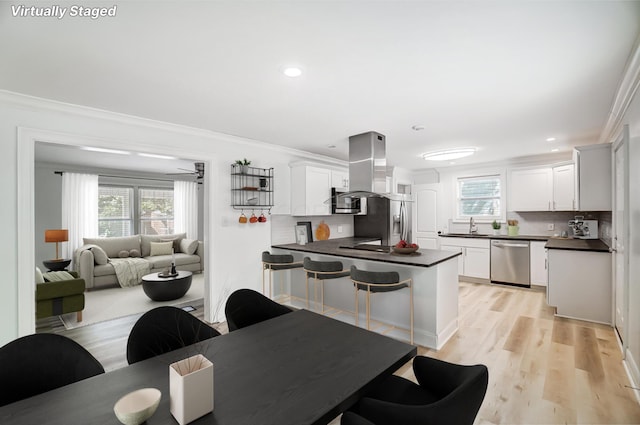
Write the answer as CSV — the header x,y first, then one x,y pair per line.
x,y
367,165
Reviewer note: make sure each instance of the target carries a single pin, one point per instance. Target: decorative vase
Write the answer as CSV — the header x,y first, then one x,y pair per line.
x,y
191,388
496,231
322,232
512,230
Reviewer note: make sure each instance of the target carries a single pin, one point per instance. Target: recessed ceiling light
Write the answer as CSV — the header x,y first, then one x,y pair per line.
x,y
292,71
449,154
551,139
555,150
418,127
104,150
153,155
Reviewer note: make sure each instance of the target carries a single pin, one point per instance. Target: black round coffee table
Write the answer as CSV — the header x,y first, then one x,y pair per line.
x,y
166,288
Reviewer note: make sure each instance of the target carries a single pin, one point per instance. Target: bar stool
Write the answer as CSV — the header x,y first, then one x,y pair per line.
x,y
320,271
377,282
274,262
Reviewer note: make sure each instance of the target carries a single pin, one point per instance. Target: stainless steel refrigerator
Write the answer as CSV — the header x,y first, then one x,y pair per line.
x,y
388,220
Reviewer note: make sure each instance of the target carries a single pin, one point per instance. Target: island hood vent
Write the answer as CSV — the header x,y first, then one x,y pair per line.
x,y
367,165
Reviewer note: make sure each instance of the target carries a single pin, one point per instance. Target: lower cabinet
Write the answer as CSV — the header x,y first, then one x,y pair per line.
x,y
538,263
475,259
580,284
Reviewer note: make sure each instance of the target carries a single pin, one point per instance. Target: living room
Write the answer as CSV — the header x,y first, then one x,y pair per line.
x,y
136,196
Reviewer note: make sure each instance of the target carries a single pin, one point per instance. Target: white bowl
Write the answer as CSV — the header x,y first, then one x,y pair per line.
x,y
137,406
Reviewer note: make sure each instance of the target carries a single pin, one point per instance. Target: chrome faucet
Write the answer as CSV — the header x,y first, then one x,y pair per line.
x,y
472,226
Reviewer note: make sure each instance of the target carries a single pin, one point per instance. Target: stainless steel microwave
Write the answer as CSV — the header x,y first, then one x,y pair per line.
x,y
344,204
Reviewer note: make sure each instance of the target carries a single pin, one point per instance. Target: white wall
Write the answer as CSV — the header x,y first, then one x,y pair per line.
x,y
233,249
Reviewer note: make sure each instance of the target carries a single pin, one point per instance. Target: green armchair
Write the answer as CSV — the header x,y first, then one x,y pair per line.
x,y
60,297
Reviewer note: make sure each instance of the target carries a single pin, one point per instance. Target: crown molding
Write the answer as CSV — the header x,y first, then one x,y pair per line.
x,y
624,95
38,104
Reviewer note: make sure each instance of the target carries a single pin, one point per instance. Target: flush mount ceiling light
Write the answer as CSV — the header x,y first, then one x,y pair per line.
x,y
292,71
448,155
551,139
153,155
555,150
104,150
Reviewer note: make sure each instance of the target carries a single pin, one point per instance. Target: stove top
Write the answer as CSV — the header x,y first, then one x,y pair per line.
x,y
366,247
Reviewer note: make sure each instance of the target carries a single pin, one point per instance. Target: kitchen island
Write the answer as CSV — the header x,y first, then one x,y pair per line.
x,y
435,288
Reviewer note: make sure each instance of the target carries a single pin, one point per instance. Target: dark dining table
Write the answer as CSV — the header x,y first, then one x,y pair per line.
x,y
298,368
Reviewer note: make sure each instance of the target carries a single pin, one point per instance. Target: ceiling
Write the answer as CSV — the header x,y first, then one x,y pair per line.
x,y
501,76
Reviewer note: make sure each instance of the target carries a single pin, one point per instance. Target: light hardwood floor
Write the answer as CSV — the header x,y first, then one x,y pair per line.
x,y
542,369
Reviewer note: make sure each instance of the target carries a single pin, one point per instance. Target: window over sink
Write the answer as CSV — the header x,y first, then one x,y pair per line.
x,y
479,197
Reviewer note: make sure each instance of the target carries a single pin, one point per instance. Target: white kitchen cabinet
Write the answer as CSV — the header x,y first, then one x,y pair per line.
x,y
563,188
538,263
542,189
593,177
530,189
475,260
310,190
340,180
580,284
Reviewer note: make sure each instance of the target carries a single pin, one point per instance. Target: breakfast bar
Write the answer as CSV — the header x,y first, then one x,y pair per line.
x,y
435,287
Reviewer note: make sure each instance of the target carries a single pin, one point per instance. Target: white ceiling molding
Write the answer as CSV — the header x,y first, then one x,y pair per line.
x,y
23,100
624,95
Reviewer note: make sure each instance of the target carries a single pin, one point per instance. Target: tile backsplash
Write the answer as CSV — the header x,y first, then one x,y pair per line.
x,y
536,223
283,226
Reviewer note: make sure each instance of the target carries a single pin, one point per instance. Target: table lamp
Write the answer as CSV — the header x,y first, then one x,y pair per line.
x,y
57,236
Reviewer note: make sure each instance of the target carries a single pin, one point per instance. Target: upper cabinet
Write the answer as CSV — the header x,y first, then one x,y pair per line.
x,y
310,190
593,177
564,188
530,189
542,189
340,180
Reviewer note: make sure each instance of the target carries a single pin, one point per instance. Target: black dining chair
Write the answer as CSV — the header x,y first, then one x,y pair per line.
x,y
446,393
246,307
165,329
38,363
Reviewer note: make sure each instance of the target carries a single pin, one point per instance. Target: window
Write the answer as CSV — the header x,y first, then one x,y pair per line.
x,y
115,213
156,211
130,210
480,197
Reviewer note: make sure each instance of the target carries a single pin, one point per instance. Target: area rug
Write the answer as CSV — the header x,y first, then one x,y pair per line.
x,y
111,303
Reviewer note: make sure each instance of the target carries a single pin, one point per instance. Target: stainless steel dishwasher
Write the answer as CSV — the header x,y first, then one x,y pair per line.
x,y
510,262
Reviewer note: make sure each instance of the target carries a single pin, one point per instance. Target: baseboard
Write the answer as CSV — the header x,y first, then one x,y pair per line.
x,y
633,372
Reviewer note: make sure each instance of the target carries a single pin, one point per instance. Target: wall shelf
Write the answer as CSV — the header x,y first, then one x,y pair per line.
x,y
251,187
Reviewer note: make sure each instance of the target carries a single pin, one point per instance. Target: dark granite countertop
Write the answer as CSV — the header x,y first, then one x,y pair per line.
x,y
578,244
491,236
427,257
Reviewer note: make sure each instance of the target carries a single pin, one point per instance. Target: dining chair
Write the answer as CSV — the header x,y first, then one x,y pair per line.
x,y
276,262
380,282
320,271
165,329
446,393
38,363
246,307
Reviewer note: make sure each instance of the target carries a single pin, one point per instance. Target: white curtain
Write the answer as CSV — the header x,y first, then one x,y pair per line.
x,y
185,208
79,209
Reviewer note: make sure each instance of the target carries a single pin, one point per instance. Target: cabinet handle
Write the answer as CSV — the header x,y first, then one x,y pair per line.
x,y
573,204
545,264
549,206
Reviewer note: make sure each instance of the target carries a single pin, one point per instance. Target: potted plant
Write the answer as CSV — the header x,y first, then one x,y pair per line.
x,y
496,227
243,165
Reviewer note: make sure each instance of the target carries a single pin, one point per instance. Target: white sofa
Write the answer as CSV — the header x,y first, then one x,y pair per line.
x,y
94,267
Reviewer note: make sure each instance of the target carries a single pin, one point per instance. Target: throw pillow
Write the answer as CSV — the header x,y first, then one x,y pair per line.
x,y
188,246
99,256
161,248
39,277
57,276
134,253
123,254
